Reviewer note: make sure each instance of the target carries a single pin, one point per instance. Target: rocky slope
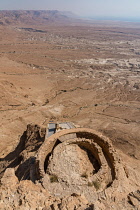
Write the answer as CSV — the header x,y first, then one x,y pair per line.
x,y
33,17
69,180
86,73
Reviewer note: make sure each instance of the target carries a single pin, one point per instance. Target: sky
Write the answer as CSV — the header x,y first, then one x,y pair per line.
x,y
87,8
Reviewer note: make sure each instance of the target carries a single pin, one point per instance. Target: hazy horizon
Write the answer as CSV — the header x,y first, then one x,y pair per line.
x,y
121,9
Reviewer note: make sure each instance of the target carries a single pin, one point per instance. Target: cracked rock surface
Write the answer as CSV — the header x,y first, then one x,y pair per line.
x,y
62,70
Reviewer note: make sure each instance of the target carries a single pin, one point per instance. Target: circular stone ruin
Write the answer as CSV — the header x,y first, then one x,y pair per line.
x,y
77,160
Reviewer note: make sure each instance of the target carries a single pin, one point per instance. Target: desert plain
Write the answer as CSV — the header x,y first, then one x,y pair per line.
x,y
71,70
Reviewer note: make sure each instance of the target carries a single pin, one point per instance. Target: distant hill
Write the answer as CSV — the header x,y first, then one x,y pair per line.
x,y
10,17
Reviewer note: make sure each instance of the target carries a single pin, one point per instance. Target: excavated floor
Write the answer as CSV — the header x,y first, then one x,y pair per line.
x,y
70,169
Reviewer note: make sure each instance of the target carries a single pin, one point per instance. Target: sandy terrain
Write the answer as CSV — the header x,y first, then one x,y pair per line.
x,y
87,73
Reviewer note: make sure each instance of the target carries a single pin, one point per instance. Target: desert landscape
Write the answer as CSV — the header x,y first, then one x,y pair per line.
x,y
57,68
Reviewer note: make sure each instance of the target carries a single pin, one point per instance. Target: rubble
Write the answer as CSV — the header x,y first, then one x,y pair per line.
x,y
74,168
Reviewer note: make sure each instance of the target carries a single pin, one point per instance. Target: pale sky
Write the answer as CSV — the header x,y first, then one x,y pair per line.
x,y
107,8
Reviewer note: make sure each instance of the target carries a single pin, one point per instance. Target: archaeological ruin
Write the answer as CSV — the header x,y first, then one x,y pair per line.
x,y
68,161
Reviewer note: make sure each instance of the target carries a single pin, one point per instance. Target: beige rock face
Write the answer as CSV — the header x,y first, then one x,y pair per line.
x,y
70,159
26,195
81,72
73,169
84,172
